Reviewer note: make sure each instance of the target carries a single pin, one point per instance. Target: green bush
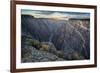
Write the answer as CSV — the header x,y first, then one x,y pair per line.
x,y
33,42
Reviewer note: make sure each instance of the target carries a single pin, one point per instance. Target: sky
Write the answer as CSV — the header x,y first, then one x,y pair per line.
x,y
55,14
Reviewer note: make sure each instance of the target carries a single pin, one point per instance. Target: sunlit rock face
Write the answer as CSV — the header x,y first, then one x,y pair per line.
x,y
71,38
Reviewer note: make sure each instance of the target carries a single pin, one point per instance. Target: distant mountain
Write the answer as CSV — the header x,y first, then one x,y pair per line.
x,y
56,14
66,37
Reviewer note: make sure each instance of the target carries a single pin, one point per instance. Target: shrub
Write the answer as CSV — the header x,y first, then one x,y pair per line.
x,y
44,47
34,43
76,56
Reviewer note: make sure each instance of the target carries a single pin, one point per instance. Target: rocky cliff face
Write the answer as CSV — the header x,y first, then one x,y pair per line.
x,y
61,39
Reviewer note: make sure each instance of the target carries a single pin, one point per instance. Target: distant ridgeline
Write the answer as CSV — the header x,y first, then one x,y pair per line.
x,y
60,17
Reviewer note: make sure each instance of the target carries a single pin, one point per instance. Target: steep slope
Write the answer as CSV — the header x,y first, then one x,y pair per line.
x,y
63,34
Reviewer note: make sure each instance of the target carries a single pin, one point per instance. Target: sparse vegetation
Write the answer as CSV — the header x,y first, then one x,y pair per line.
x,y
44,47
34,43
76,56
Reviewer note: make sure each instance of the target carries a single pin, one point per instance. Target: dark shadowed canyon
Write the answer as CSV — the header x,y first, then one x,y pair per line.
x,y
45,39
